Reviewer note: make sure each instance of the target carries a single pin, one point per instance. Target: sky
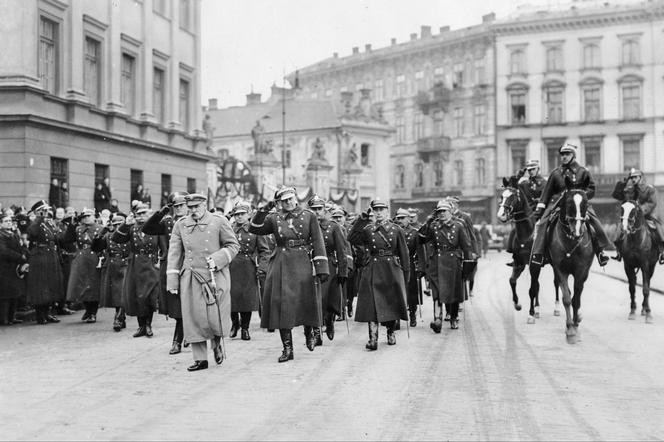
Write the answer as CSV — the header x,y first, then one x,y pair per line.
x,y
251,43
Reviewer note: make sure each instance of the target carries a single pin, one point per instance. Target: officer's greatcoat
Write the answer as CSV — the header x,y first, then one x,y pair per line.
x,y
337,260
411,285
192,242
382,290
113,269
12,254
45,282
84,277
290,298
253,256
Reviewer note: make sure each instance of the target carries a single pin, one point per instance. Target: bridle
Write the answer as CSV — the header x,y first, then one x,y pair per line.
x,y
508,209
632,225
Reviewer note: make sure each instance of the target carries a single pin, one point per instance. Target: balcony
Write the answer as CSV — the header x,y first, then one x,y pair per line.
x,y
433,145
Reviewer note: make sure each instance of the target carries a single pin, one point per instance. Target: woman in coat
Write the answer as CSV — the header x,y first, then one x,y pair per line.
x,y
382,287
13,261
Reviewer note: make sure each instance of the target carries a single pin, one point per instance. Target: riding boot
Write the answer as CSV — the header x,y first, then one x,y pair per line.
x,y
349,308
391,339
318,340
217,350
148,325
141,327
177,338
245,319
287,341
437,324
122,317
373,337
413,317
329,325
235,327
309,337
117,326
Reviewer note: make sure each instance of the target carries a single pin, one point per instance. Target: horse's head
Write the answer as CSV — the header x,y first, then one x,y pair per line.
x,y
576,206
510,201
630,215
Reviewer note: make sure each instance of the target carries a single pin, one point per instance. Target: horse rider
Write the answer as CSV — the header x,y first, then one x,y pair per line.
x,y
531,186
551,198
634,188
402,219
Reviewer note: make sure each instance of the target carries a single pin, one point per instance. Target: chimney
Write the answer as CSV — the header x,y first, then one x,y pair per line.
x,y
335,55
393,41
444,29
425,31
212,104
356,50
367,48
488,18
413,36
253,98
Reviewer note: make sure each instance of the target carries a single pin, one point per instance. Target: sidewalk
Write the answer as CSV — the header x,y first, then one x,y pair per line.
x,y
615,270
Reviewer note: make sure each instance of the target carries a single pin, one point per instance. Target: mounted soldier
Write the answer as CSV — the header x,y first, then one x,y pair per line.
x,y
634,188
552,197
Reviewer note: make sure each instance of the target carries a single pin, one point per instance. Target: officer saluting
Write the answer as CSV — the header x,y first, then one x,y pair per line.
x,y
292,291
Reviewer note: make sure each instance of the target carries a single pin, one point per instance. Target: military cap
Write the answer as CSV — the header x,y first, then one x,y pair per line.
x,y
567,148
338,211
284,193
316,202
118,218
240,207
401,213
142,208
412,211
635,172
87,212
177,198
39,205
453,199
532,164
378,204
443,205
194,199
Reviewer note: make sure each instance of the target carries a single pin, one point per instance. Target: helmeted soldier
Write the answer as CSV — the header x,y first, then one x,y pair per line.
x,y
552,196
292,288
113,269
140,290
532,186
402,219
335,248
382,289
84,277
449,250
414,215
245,269
160,224
634,188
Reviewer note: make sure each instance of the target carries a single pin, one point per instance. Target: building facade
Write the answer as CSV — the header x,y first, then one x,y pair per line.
x,y
438,92
94,89
590,74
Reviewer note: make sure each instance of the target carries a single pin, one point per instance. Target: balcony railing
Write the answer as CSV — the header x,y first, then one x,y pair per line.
x,y
433,144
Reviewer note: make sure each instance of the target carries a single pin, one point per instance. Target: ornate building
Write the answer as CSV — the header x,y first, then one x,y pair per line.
x,y
94,89
438,93
590,74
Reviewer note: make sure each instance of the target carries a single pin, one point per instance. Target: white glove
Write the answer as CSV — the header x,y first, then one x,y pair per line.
x,y
210,263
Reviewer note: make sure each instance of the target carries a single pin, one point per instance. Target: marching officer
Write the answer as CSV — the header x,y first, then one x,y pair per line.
x,y
292,294
201,248
382,288
115,260
141,284
161,224
245,269
338,215
551,197
335,247
634,188
532,187
475,241
449,246
84,276
402,219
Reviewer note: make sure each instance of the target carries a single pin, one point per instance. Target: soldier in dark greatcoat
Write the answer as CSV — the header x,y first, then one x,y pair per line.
x,y
115,260
84,277
335,248
245,270
292,295
382,289
402,218
448,247
13,262
141,284
161,224
338,215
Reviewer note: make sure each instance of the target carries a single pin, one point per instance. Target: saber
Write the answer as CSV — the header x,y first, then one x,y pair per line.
x,y
420,299
217,301
341,290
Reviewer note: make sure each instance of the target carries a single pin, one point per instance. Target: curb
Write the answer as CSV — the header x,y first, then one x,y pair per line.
x,y
652,289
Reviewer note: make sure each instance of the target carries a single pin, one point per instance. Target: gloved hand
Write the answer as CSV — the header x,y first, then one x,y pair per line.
x,y
323,277
342,279
366,214
420,274
538,213
268,206
174,292
164,211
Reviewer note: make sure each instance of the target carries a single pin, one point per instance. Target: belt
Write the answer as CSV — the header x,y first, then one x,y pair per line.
x,y
146,252
50,244
447,249
382,252
293,243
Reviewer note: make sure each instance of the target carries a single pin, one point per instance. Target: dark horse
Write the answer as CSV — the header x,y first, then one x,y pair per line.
x,y
639,253
571,250
513,206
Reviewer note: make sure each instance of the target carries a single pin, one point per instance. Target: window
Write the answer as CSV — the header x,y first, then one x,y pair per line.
x,y
631,100
479,71
418,125
135,179
399,123
379,91
328,93
517,100
92,71
458,172
48,55
166,185
593,149
101,172
128,83
458,122
438,123
223,154
191,185
400,177
184,105
517,61
591,56
364,154
554,59
479,119
314,95
458,76
419,81
591,102
158,91
185,14
631,152
480,171
552,151
59,191
553,102
630,52
438,173
438,74
419,175
401,86
518,154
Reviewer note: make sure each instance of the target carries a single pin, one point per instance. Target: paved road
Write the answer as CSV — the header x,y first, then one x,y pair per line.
x,y
496,378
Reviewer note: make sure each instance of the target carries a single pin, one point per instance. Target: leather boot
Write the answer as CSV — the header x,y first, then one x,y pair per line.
x,y
454,323
413,318
198,365
217,350
329,326
391,338
175,348
141,328
437,324
117,326
245,319
349,309
318,341
235,327
309,337
148,325
122,317
40,317
287,341
373,337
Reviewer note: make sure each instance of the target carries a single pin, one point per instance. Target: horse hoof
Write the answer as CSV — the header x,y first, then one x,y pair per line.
x,y
632,316
537,315
643,312
517,307
531,320
556,313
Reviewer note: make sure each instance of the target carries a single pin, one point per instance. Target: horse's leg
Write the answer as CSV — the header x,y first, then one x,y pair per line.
x,y
570,330
534,291
516,272
576,299
646,274
556,309
630,272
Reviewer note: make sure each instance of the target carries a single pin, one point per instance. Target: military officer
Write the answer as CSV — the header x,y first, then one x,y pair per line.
x,y
338,215
382,288
245,269
292,294
402,219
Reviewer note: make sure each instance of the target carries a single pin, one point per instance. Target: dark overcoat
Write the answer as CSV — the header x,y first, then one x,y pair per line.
x,y
45,282
113,268
337,261
84,276
381,294
532,188
12,254
290,297
448,246
253,255
413,296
